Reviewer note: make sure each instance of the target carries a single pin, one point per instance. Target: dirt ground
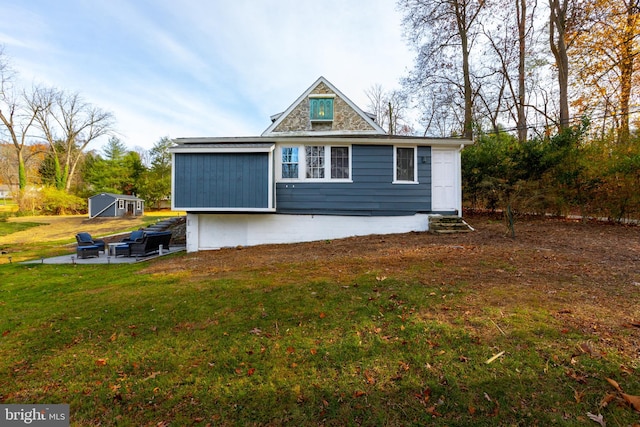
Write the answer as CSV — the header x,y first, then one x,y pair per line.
x,y
585,274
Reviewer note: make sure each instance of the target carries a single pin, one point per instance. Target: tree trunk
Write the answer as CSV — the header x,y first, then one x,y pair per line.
x,y
22,171
626,72
557,35
521,14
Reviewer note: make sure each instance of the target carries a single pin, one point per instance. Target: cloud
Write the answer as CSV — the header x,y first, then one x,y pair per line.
x,y
203,68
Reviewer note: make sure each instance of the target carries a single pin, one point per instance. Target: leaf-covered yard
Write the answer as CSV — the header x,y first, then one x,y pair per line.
x,y
413,329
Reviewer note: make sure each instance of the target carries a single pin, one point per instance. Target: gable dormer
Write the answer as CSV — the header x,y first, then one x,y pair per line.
x,y
323,110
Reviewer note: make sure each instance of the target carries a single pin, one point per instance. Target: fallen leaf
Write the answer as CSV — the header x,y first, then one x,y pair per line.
x,y
585,347
610,397
291,350
432,411
632,400
101,362
113,337
5,333
577,395
597,418
369,376
313,351
579,378
359,393
472,410
626,370
425,396
255,331
614,384
323,315
251,371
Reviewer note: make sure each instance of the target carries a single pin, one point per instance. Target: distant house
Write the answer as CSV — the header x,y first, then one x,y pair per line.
x,y
109,205
323,169
5,192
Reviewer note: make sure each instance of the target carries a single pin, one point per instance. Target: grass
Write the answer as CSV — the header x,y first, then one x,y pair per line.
x,y
125,346
6,228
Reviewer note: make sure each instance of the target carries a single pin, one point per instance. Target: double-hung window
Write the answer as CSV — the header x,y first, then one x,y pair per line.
x,y
315,162
290,162
405,165
314,155
339,162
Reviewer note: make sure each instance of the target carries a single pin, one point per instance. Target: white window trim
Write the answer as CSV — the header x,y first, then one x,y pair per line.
x,y
121,204
415,165
302,164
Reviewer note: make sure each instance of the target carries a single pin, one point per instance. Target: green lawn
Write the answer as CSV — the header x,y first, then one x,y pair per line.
x,y
125,347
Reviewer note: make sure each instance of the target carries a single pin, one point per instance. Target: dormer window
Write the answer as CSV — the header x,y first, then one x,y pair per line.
x,y
321,108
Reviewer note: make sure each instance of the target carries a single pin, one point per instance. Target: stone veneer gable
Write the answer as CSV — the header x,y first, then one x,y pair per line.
x,y
345,118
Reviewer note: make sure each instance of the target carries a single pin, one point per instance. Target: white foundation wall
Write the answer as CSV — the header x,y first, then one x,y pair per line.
x,y
215,231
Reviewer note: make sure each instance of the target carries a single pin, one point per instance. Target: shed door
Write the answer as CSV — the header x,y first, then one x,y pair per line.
x,y
445,185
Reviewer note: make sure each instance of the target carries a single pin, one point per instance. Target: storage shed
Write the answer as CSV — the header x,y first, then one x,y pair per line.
x,y
109,205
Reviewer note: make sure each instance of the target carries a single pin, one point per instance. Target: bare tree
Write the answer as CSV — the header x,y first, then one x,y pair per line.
x,y
15,118
390,109
558,41
68,124
443,32
511,20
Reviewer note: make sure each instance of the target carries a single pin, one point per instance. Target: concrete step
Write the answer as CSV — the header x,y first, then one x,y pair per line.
x,y
448,225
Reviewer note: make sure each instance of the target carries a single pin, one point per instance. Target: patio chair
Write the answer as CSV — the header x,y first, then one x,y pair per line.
x,y
135,236
85,239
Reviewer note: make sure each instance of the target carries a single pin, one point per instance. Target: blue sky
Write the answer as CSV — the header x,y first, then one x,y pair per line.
x,y
202,67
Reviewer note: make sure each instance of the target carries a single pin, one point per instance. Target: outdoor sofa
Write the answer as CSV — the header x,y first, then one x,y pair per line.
x,y
149,244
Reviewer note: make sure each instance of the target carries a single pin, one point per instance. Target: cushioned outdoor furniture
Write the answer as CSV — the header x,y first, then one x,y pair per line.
x,y
135,236
123,250
150,244
85,239
88,251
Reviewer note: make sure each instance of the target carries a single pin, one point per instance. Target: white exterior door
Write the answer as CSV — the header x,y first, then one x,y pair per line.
x,y
445,180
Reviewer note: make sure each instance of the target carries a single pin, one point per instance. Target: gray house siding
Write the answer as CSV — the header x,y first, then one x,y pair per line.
x,y
221,180
114,205
100,202
371,192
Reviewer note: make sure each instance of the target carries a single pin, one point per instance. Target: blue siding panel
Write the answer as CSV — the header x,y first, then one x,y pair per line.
x,y
221,180
372,191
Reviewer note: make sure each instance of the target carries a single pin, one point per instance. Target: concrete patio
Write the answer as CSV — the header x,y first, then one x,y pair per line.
x,y
104,258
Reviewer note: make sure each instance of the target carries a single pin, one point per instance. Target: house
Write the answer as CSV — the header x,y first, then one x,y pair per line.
x,y
5,191
109,205
323,169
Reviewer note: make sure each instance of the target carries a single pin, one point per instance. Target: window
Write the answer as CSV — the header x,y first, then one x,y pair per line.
x,y
120,204
321,109
315,161
405,164
290,162
138,205
339,162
